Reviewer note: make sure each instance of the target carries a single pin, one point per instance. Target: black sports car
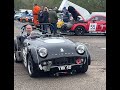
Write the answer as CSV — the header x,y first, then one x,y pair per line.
x,y
51,53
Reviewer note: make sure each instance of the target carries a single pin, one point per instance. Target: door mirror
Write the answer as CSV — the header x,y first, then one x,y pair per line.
x,y
95,19
27,44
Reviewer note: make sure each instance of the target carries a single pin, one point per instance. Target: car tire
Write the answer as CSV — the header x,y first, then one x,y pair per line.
x,y
23,20
89,60
17,53
79,30
32,70
17,57
24,56
84,67
15,46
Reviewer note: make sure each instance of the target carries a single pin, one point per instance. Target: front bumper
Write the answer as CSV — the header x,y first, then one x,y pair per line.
x,y
62,64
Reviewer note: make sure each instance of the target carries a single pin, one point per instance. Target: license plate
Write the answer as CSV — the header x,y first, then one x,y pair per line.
x,y
64,67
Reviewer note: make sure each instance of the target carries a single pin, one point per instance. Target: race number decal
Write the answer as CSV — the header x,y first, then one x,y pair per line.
x,y
92,26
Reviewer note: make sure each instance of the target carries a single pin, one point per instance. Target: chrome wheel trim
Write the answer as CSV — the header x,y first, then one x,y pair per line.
x,y
29,68
25,57
14,57
80,30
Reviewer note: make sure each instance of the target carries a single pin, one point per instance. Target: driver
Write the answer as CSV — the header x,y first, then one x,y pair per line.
x,y
20,39
28,29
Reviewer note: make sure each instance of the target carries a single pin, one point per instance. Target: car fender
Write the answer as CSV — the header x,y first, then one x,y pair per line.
x,y
78,24
34,54
87,54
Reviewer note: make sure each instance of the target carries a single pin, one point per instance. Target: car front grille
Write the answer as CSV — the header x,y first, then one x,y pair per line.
x,y
64,61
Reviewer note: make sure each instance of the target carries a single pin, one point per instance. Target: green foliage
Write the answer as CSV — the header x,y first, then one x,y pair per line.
x,y
90,5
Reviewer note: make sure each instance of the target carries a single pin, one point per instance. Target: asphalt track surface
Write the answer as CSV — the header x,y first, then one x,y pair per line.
x,y
93,79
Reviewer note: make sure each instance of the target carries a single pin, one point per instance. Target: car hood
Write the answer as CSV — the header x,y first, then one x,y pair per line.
x,y
51,42
55,46
82,11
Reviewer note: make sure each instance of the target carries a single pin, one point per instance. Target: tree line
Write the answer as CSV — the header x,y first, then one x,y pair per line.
x,y
90,5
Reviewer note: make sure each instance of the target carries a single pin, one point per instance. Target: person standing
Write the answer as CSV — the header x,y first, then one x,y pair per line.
x,y
53,20
74,13
36,10
40,17
66,16
45,19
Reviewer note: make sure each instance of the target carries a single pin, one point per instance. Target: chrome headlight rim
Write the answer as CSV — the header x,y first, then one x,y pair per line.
x,y
44,53
80,49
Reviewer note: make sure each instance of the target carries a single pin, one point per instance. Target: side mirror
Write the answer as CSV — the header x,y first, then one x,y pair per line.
x,y
27,44
94,19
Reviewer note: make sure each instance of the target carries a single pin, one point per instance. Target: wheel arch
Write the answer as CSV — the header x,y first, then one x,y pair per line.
x,y
34,54
76,25
88,57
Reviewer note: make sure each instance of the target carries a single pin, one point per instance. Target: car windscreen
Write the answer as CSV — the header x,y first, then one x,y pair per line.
x,y
35,34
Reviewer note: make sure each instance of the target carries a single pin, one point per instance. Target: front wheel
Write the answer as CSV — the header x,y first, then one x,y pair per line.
x,y
32,70
79,30
17,57
23,20
84,67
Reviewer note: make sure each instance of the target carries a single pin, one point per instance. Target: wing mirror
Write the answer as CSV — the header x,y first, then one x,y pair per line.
x,y
27,44
94,19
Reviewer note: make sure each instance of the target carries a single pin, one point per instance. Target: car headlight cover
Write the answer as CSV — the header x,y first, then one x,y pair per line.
x,y
42,52
80,49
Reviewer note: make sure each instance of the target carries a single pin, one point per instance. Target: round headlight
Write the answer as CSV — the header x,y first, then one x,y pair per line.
x,y
80,49
42,52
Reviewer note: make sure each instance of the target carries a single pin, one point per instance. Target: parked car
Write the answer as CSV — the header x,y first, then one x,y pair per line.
x,y
17,15
88,23
95,23
26,18
51,53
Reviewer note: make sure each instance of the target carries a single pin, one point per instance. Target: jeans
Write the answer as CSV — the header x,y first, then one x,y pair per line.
x,y
45,29
53,28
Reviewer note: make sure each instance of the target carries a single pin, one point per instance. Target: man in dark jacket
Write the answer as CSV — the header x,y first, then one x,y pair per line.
x,y
66,16
40,17
74,13
45,19
53,20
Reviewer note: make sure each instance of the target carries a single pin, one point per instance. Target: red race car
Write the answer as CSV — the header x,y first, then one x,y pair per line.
x,y
95,23
88,23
